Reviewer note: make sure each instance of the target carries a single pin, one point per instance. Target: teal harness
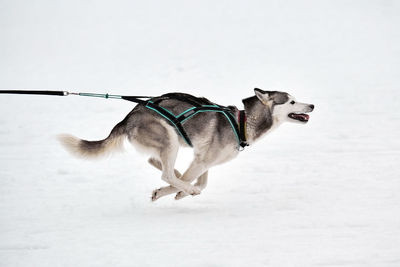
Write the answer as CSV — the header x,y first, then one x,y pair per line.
x,y
178,121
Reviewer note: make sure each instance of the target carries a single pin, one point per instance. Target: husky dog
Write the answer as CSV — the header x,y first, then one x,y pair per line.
x,y
214,141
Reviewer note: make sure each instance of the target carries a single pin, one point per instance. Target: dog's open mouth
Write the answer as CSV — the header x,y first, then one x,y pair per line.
x,y
299,117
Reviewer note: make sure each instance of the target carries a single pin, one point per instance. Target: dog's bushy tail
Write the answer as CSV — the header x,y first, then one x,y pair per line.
x,y
95,149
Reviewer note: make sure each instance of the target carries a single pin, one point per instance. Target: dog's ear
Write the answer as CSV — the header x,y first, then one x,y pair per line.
x,y
262,95
271,97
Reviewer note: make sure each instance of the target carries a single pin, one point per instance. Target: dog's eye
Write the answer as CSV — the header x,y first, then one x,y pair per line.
x,y
292,102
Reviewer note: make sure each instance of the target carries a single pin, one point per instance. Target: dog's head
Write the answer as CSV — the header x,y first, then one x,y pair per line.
x,y
284,106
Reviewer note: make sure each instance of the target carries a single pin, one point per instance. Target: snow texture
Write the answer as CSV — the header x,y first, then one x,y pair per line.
x,y
323,194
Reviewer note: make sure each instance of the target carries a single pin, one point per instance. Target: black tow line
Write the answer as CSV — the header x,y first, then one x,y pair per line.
x,y
136,99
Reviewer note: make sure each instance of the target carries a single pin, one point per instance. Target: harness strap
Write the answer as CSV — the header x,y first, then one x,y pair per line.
x,y
242,129
192,111
187,98
135,99
170,117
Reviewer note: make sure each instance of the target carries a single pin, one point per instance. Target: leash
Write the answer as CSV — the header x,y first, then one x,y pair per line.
x,y
136,99
238,126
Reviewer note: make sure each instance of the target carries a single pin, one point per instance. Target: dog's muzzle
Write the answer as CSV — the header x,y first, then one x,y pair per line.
x,y
302,117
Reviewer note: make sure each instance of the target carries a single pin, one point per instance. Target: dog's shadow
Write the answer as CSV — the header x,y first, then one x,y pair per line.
x,y
165,210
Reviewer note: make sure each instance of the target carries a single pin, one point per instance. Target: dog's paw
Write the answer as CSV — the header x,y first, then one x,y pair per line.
x,y
180,195
155,195
193,190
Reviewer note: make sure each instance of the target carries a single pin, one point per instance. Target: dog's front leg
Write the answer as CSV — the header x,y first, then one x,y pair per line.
x,y
195,170
167,157
166,190
201,183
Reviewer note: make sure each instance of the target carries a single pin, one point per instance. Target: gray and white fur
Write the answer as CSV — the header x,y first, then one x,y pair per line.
x,y
214,141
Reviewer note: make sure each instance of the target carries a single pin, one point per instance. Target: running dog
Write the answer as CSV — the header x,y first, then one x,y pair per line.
x,y
212,136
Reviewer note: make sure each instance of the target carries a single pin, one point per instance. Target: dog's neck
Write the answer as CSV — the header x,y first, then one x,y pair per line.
x,y
259,119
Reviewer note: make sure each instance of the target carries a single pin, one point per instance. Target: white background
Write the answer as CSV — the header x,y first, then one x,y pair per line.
x,y
321,194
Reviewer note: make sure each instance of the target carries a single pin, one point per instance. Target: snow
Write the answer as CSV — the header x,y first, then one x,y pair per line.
x,y
321,194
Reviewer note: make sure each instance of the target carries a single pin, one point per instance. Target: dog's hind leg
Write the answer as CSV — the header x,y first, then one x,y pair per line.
x,y
160,139
157,193
163,191
157,164
201,183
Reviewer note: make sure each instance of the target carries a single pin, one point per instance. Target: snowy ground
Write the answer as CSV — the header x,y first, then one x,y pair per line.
x,y
321,194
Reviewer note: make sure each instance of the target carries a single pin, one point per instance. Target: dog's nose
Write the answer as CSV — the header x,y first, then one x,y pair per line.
x,y
312,107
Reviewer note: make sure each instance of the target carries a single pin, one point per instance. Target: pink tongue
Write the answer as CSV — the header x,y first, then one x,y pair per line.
x,y
304,116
